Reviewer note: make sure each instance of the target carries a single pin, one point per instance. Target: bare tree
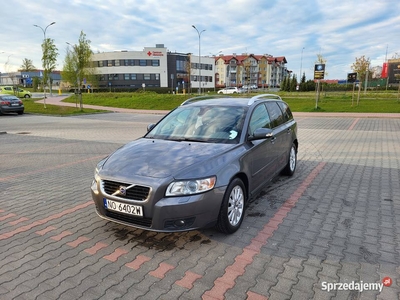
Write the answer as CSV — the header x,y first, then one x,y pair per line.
x,y
49,59
27,65
361,67
78,64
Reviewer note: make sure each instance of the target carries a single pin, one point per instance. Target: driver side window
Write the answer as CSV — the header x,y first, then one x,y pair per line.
x,y
259,119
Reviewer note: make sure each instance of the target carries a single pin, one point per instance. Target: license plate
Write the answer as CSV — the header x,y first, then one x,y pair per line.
x,y
129,209
14,104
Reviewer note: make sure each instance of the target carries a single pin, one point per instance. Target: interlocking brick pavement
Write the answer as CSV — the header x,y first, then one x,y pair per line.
x,y
336,221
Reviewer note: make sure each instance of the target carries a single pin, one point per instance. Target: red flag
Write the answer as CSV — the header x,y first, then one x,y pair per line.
x,y
384,70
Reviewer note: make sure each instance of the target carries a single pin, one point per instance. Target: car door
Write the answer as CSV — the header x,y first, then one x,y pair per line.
x,y
261,155
280,134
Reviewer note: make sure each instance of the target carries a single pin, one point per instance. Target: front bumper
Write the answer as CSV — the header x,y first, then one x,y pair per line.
x,y
164,214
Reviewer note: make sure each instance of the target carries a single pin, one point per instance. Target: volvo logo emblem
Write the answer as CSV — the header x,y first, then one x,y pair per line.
x,y
122,190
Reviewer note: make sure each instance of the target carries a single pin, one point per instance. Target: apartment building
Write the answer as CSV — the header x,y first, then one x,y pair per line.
x,y
249,69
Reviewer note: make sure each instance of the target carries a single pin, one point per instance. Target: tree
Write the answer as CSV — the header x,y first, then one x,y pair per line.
x,y
27,65
78,64
321,60
49,60
361,67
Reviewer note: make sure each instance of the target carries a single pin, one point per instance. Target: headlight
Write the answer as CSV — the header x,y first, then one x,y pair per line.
x,y
99,166
189,187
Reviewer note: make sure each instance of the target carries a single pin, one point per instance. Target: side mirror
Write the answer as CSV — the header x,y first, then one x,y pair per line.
x,y
261,133
150,127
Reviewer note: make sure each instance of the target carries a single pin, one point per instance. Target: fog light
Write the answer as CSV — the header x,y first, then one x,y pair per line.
x,y
179,223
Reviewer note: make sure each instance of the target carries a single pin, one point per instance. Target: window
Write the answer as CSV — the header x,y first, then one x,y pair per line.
x,y
129,62
275,114
100,63
146,76
259,119
117,63
155,63
133,76
142,63
126,77
180,65
287,114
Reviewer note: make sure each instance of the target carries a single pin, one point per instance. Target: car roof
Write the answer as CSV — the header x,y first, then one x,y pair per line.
x,y
229,100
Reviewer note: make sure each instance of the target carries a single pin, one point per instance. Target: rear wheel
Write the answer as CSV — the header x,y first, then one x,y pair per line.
x,y
232,209
292,161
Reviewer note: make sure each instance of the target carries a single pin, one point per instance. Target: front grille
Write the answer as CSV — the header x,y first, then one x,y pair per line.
x,y
137,192
145,222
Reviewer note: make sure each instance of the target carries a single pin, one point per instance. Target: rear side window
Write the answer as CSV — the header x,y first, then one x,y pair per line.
x,y
275,114
287,114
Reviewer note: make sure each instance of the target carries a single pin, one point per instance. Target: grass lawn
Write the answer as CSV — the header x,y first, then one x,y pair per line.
x,y
384,102
370,102
38,108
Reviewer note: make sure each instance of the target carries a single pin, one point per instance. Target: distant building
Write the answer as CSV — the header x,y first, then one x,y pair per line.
x,y
25,79
156,67
249,69
153,67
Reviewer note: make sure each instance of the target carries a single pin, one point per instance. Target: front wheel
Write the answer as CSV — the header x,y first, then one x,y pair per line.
x,y
232,209
292,161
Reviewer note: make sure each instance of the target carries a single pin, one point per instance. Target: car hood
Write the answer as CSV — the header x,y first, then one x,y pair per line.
x,y
163,158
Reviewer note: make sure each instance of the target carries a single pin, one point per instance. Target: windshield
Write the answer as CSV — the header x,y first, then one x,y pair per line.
x,y
214,124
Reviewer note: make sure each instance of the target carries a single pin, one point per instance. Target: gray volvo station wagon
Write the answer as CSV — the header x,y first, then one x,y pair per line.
x,y
199,165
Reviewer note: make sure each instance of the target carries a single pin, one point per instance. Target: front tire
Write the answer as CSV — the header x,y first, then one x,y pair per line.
x,y
292,161
231,213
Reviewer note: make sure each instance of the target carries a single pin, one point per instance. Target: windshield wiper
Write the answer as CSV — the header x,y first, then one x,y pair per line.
x,y
185,139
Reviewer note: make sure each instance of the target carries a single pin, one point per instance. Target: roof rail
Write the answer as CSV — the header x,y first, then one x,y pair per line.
x,y
200,98
255,98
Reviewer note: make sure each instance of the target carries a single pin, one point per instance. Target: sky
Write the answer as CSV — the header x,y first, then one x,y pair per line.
x,y
340,31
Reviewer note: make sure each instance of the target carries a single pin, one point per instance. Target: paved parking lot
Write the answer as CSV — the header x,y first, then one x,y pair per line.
x,y
327,233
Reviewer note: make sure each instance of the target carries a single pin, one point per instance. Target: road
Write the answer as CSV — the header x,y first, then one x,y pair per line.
x,y
337,221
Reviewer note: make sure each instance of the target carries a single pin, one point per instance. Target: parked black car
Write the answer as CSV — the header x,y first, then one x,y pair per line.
x,y
199,165
11,104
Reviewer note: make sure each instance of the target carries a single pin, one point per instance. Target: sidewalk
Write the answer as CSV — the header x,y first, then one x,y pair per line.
x,y
57,100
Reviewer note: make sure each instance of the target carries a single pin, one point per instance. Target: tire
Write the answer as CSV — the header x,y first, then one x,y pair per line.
x,y
232,209
20,112
27,96
290,167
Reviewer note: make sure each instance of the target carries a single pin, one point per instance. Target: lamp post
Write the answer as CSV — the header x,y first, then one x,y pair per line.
x,y
199,33
44,51
0,72
301,63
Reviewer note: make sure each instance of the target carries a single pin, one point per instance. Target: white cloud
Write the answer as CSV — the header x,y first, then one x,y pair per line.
x,y
340,31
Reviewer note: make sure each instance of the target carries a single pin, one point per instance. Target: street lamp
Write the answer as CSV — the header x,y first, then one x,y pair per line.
x,y
199,33
301,63
44,51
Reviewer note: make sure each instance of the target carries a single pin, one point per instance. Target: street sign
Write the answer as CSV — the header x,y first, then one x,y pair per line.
x,y
319,71
351,77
